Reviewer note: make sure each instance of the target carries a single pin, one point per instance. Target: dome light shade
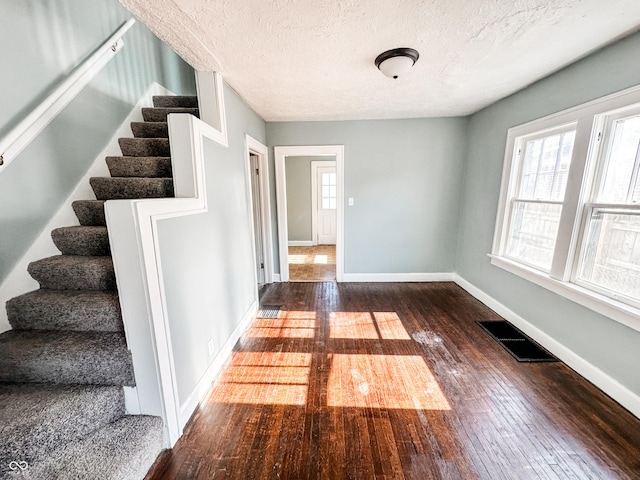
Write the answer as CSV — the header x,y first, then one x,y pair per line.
x,y
396,62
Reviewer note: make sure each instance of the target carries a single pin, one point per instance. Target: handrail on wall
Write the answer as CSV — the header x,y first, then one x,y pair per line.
x,y
29,128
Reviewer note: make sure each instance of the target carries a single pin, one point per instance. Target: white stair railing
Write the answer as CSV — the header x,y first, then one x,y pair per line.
x,y
30,127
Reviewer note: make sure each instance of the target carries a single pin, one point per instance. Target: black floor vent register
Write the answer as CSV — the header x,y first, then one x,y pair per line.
x,y
521,347
269,311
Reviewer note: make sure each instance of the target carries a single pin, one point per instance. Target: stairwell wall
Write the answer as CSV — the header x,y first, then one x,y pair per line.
x,y
207,259
43,42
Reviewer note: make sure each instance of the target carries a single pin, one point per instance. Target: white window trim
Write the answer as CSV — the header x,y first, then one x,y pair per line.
x,y
588,123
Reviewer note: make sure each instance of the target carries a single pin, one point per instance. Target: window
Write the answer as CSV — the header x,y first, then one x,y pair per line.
x,y
569,211
544,161
329,191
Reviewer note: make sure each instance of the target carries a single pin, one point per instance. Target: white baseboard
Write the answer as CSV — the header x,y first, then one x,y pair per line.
x,y
205,384
19,281
604,382
397,277
300,243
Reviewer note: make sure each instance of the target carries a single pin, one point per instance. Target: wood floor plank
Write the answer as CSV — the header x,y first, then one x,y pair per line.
x,y
396,381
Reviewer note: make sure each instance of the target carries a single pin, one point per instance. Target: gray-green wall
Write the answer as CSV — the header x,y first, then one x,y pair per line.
x,y
405,177
606,344
207,259
42,42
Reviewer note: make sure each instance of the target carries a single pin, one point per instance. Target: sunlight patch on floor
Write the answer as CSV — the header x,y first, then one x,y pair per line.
x,y
383,381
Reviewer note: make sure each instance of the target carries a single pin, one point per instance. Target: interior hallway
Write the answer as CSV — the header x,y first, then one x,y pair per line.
x,y
312,264
364,381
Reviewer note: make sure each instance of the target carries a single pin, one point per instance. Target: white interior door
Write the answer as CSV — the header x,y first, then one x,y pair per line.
x,y
327,200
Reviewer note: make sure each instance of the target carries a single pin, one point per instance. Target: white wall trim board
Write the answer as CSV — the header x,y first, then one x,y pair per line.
x,y
301,243
19,281
606,383
206,383
209,87
276,278
280,153
398,277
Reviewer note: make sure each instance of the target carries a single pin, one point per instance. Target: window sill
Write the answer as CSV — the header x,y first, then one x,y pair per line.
x,y
618,311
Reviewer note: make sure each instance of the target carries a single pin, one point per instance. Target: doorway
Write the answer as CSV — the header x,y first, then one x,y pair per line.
x,y
256,157
328,193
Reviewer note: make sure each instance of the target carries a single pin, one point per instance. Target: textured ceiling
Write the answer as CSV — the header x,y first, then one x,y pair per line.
x,y
313,59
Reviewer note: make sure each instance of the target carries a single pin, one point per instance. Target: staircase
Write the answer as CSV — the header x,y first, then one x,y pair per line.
x,y
63,366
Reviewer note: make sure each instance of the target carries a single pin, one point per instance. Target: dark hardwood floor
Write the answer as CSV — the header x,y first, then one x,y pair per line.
x,y
382,381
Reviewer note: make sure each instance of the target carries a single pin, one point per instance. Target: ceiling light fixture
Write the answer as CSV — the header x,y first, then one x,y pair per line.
x,y
394,63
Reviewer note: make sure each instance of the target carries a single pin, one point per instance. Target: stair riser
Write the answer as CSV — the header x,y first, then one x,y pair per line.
x,y
82,241
170,101
101,359
65,310
140,167
128,188
59,415
90,212
144,147
160,114
150,130
87,276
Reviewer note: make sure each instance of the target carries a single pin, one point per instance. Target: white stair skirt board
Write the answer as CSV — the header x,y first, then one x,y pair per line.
x,y
301,243
206,383
19,281
600,379
398,277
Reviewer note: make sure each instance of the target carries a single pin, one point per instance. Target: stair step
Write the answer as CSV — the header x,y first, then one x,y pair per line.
x,y
76,310
149,167
175,101
82,240
41,356
150,129
38,418
122,450
160,114
107,188
90,212
74,272
145,147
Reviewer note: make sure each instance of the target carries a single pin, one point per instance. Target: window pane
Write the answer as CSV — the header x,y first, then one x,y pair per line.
x,y
621,171
545,167
326,204
325,191
532,236
332,203
611,253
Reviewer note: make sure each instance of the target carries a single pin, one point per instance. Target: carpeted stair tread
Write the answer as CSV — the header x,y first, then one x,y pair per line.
x,y
150,129
40,356
186,101
122,450
114,188
38,418
82,240
90,212
143,167
74,272
144,147
159,114
76,310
